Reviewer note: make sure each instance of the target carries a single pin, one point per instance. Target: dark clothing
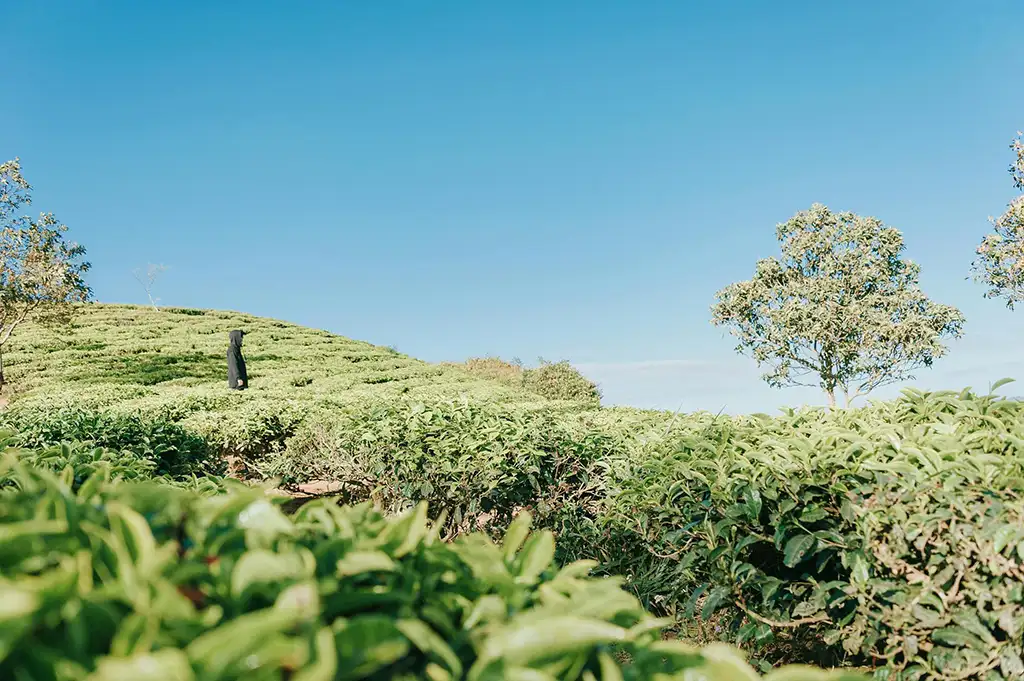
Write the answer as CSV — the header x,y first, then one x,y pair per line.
x,y
236,363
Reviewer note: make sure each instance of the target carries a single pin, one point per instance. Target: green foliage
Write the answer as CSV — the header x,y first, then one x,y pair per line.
x,y
793,535
477,463
76,462
41,274
561,381
170,449
841,309
940,590
1000,256
553,380
154,368
144,581
889,535
169,364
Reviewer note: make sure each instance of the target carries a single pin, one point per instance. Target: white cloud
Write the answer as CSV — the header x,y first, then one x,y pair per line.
x,y
645,365
685,384
735,385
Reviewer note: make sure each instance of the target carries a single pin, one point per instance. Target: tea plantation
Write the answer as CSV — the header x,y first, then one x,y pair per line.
x,y
478,530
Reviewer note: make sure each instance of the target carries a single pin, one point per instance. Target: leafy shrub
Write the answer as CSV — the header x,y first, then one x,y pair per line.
x,y
148,582
561,381
103,361
551,380
816,523
939,586
477,463
77,462
253,431
172,449
74,462
495,369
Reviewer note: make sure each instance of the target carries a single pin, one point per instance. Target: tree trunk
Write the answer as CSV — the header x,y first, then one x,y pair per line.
x,y
831,395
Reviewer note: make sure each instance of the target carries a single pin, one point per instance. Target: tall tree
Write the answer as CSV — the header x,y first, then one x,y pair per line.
x,y
841,308
999,261
41,275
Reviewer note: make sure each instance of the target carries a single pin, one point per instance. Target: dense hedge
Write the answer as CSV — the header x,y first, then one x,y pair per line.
x,y
477,463
808,529
103,581
76,462
893,534
806,537
172,450
559,381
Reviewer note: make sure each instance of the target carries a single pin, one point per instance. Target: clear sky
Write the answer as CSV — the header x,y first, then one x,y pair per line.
x,y
570,179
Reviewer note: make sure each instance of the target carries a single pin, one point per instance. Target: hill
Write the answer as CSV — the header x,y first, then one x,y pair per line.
x,y
802,537
181,351
170,364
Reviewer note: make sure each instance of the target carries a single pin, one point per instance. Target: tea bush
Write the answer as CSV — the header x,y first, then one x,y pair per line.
x,y
140,359
171,449
889,533
161,366
886,536
938,583
466,459
552,380
76,462
561,381
144,581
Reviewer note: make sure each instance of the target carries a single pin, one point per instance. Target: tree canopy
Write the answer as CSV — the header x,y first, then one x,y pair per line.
x,y
840,309
999,262
41,274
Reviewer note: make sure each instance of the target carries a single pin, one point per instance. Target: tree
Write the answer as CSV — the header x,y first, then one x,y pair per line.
x,y
148,278
841,306
41,275
999,261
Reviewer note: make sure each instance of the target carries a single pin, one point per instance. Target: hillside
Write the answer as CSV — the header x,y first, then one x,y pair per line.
x,y
789,534
179,351
171,363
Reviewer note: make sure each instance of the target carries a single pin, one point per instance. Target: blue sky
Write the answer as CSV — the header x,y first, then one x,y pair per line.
x,y
571,179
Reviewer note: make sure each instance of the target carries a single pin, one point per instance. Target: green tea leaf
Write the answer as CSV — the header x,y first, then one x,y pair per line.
x,y
324,666
358,562
536,556
522,644
797,548
427,640
262,566
163,665
517,532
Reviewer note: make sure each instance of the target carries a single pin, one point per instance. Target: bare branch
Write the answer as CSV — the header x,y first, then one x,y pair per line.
x,y
147,280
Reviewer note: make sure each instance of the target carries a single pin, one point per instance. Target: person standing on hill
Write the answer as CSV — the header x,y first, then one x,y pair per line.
x,y
238,379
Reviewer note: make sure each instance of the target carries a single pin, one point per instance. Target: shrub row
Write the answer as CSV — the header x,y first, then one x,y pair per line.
x,y
552,380
477,463
893,534
171,449
127,580
76,462
804,537
809,529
